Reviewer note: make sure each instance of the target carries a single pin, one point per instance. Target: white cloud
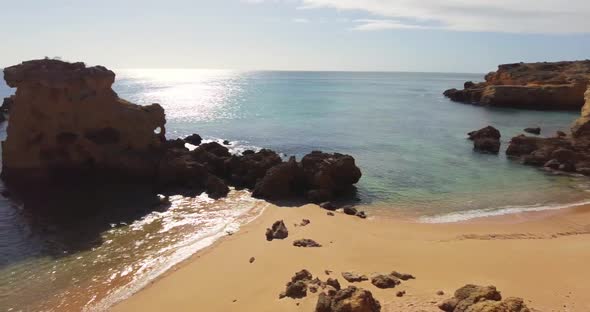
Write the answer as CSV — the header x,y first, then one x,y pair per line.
x,y
382,24
301,20
514,16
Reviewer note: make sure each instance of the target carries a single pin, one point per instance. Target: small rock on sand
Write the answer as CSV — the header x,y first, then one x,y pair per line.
x,y
354,277
350,211
440,293
330,213
384,281
400,293
402,276
306,243
334,283
252,259
304,222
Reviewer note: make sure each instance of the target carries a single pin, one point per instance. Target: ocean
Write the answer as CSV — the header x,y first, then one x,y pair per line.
x,y
409,141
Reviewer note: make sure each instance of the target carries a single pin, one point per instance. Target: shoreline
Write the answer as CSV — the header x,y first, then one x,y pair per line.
x,y
169,289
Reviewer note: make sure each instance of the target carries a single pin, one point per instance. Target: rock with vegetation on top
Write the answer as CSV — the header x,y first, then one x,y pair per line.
x,y
351,299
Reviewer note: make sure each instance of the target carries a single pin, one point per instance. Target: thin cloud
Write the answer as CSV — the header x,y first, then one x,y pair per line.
x,y
301,20
381,24
511,16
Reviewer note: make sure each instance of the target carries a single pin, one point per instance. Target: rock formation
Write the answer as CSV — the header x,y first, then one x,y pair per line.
x,y
486,140
66,117
351,299
66,121
559,85
473,298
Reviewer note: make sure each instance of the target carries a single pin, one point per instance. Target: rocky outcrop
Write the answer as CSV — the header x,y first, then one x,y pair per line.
x,y
486,140
559,85
581,127
351,299
473,298
66,121
66,117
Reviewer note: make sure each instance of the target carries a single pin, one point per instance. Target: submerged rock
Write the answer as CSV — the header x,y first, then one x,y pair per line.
x,y
351,299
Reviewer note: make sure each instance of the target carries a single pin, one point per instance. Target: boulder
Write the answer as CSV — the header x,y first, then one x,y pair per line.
x,y
277,231
330,173
351,211
351,299
66,117
193,139
333,282
215,187
473,298
402,276
486,145
488,132
533,130
384,281
281,181
247,170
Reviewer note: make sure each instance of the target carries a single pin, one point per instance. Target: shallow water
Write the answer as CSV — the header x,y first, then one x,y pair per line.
x,y
407,138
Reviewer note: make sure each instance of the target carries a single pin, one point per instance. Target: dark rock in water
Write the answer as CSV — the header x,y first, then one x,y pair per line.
x,y
176,144
468,85
279,182
306,243
351,299
402,276
215,187
534,130
193,139
226,142
277,231
384,281
354,277
475,298
486,145
486,132
330,173
486,140
249,169
333,282
351,211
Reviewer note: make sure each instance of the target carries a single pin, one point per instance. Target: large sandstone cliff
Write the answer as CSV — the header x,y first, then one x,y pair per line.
x,y
559,85
65,116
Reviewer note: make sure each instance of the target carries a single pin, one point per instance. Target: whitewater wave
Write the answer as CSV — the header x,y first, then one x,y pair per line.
x,y
492,212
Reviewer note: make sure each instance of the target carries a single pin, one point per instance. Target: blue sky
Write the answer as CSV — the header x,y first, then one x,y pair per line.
x,y
382,35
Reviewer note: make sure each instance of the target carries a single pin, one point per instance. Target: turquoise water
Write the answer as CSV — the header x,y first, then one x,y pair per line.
x,y
407,138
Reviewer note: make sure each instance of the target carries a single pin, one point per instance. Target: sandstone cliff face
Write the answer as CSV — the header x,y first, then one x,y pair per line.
x,y
66,116
559,85
582,126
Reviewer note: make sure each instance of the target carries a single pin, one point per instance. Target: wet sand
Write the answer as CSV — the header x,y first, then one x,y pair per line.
x,y
542,257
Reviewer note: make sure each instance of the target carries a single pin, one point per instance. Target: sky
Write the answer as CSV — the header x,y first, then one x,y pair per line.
x,y
470,36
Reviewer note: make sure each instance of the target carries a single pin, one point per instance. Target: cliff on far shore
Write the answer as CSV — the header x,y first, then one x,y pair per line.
x,y
545,86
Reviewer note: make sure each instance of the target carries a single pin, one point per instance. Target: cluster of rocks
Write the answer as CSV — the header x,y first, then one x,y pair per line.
x,y
66,121
332,298
558,85
473,298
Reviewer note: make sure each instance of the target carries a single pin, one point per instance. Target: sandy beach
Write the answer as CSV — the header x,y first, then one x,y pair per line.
x,y
540,256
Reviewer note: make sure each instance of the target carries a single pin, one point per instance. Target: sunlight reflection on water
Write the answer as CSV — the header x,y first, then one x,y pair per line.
x,y
186,94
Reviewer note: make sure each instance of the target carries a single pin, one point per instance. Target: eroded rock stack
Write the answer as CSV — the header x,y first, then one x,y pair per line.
x,y
66,121
558,85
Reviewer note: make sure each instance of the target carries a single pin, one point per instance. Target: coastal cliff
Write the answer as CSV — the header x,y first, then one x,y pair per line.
x,y
67,123
550,86
65,116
